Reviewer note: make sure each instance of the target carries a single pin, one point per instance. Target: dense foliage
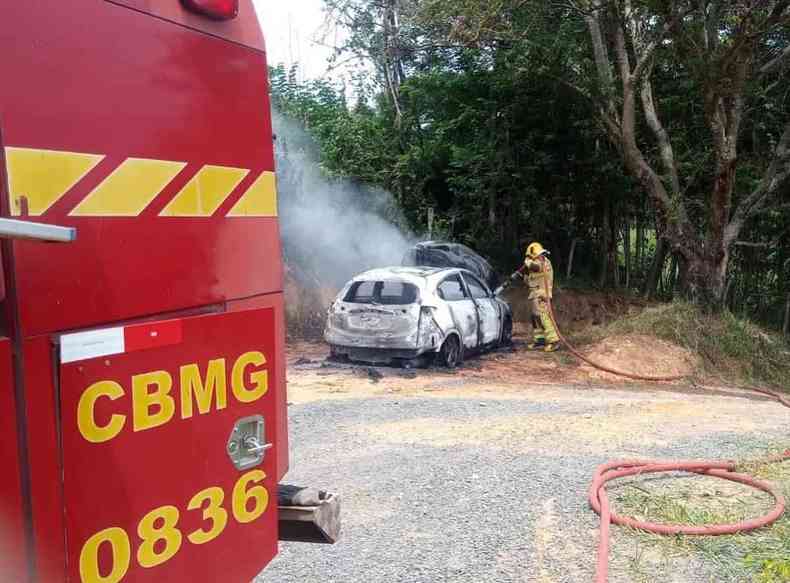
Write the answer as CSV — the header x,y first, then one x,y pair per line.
x,y
489,121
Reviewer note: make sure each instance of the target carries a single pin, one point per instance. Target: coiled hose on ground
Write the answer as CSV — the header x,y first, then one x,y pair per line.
x,y
725,470
719,469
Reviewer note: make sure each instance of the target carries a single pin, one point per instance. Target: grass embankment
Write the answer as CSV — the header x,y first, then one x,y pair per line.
x,y
730,349
761,556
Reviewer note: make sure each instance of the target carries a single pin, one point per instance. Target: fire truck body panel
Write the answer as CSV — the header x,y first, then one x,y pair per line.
x,y
12,541
155,454
119,133
280,394
147,128
43,419
243,29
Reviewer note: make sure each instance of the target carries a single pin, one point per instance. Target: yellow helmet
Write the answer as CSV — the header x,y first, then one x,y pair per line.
x,y
535,250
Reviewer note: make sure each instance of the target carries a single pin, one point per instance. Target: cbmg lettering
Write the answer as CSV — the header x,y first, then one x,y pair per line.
x,y
157,397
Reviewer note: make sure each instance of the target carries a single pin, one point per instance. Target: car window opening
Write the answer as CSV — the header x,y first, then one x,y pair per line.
x,y
451,289
477,289
387,293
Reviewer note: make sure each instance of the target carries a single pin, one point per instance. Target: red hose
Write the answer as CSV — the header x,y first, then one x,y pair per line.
x,y
610,370
619,469
781,398
725,470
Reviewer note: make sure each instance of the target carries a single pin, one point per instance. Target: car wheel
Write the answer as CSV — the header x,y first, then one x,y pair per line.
x,y
451,352
507,332
337,356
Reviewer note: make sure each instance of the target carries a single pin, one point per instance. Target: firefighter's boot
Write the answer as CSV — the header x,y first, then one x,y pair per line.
x,y
551,347
537,344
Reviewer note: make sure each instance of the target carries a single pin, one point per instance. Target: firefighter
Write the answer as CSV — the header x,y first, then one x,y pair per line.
x,y
539,277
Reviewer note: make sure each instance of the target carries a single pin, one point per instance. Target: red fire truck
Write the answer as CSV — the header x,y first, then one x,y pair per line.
x,y
143,429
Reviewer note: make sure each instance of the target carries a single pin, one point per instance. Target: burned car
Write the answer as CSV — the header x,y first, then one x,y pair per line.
x,y
411,314
444,254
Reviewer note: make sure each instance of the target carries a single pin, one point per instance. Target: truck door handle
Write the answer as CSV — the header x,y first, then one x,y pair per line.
x,y
252,445
247,443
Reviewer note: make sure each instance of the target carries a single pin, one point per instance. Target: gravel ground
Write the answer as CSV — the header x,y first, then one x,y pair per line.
x,y
488,484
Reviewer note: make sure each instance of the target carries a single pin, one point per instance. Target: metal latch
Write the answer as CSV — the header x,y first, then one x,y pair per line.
x,y
247,442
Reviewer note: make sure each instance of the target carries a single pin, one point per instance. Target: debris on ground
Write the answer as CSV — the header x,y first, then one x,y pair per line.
x,y
514,366
374,375
370,372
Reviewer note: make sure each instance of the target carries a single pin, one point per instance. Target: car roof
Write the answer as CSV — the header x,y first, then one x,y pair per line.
x,y
417,275
444,245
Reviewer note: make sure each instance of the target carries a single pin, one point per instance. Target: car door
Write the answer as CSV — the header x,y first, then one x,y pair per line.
x,y
489,318
462,309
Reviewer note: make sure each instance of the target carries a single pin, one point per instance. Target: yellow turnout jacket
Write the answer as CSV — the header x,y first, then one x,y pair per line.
x,y
539,271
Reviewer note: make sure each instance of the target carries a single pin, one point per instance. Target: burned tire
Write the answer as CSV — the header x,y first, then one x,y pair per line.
x,y
451,353
507,333
336,356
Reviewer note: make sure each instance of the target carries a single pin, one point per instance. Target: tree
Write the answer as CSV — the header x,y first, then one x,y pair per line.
x,y
719,45
732,59
375,36
501,131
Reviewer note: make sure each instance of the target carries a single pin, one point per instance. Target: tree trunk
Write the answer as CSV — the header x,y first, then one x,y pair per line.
x,y
569,271
653,277
555,249
672,276
514,222
627,251
495,172
391,57
786,326
614,238
492,207
605,236
728,294
640,244
705,280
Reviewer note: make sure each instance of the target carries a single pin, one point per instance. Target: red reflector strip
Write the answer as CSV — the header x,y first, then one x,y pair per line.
x,y
145,336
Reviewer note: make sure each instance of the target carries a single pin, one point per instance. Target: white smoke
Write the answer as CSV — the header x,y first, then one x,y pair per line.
x,y
331,228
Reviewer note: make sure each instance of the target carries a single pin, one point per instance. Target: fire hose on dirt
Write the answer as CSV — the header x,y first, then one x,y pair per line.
x,y
613,470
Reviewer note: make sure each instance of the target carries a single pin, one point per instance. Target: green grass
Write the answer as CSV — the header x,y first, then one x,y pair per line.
x,y
730,348
762,556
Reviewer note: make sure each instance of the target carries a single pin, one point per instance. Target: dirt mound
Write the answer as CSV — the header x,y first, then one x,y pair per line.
x,y
577,310
638,354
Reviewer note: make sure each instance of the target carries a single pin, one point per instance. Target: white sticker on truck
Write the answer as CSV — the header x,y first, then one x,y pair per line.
x,y
85,345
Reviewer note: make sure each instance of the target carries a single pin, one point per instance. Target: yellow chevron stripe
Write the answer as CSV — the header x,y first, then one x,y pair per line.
x,y
207,190
44,176
129,189
260,200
